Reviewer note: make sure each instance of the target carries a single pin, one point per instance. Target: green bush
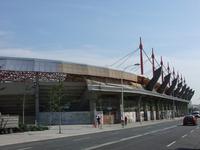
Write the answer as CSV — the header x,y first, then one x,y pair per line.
x,y
24,127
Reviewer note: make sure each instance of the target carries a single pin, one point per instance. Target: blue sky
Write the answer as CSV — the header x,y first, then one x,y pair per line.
x,y
99,32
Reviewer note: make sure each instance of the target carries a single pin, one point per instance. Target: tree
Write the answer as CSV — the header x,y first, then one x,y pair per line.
x,y
56,94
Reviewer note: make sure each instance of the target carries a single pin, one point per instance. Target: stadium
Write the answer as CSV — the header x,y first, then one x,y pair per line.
x,y
27,85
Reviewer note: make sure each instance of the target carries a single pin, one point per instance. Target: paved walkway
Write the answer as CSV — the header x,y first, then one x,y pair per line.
x,y
67,130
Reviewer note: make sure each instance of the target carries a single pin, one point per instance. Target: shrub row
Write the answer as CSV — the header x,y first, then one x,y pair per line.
x,y
24,127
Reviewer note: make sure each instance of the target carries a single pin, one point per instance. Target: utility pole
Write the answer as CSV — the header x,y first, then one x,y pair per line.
x,y
23,106
60,114
36,98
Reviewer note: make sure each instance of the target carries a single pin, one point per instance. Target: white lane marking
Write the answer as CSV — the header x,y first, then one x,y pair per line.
x,y
171,144
25,148
113,142
128,138
184,136
115,133
191,131
148,127
80,139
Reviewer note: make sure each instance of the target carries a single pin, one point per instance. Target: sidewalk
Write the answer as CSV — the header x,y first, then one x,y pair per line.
x,y
67,130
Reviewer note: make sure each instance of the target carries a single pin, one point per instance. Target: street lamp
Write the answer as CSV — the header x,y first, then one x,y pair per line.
x,y
26,89
60,96
122,89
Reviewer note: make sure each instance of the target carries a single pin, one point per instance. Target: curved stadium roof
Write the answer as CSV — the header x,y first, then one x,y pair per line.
x,y
44,65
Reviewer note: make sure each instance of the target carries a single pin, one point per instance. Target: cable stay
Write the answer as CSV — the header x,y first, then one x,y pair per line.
x,y
123,59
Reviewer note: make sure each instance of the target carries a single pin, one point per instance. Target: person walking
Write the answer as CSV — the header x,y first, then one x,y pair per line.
x,y
122,121
126,120
98,117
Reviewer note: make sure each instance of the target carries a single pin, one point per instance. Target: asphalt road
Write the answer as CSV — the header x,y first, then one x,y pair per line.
x,y
163,136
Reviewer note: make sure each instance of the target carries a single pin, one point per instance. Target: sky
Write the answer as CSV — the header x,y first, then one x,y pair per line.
x,y
99,32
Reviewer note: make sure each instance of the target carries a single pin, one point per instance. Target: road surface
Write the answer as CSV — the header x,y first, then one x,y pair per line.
x,y
163,136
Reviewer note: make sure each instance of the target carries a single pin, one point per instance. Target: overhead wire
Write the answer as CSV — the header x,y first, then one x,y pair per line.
x,y
147,56
124,57
123,61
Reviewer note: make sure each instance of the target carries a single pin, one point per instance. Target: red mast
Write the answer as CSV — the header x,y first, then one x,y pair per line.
x,y
141,57
153,63
168,70
161,63
181,78
173,73
178,76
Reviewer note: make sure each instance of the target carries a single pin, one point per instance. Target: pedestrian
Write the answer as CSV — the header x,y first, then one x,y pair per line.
x,y
98,117
125,119
122,121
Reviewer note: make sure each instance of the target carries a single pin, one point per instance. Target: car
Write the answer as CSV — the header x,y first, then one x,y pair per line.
x,y
196,114
189,120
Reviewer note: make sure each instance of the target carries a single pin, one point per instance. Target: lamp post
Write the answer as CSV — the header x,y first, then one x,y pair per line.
x,y
26,88
122,89
60,116
60,96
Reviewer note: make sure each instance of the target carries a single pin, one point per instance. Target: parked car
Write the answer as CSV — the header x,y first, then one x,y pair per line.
x,y
189,120
196,114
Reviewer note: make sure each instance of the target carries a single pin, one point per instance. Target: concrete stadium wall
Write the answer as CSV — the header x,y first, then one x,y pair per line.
x,y
131,116
67,118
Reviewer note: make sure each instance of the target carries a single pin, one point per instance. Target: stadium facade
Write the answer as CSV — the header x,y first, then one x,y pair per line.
x,y
88,90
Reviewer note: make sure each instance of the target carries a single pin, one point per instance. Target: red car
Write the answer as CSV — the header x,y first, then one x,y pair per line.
x,y
190,120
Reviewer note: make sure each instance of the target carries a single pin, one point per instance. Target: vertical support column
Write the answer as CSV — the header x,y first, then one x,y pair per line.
x,y
138,110
36,98
172,108
161,110
164,110
183,110
169,110
93,109
157,109
186,108
145,108
175,108
122,101
152,109
178,109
